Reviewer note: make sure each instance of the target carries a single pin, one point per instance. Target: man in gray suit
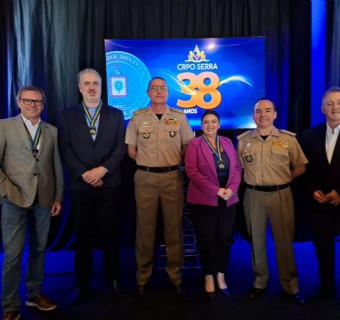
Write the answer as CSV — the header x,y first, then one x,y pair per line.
x,y
31,187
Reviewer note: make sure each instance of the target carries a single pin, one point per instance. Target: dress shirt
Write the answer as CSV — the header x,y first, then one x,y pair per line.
x,y
331,138
32,129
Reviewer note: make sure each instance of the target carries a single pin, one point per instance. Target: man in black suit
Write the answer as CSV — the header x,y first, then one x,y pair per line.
x,y
321,145
91,140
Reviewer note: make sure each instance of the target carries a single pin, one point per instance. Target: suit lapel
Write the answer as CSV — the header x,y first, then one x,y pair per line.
x,y
83,125
44,140
336,153
320,144
207,153
22,132
103,118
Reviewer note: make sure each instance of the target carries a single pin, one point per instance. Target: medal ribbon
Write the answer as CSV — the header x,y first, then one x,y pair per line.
x,y
92,120
36,139
218,151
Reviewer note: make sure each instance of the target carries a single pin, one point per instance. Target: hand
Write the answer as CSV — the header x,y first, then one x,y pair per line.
x,y
320,197
94,176
225,194
56,209
333,197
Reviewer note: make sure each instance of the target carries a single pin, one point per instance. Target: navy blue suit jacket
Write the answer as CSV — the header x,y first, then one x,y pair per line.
x,y
320,175
80,153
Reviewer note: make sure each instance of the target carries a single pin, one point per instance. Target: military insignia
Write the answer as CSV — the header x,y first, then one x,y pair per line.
x,y
176,110
172,134
249,158
196,55
280,144
171,122
146,135
145,123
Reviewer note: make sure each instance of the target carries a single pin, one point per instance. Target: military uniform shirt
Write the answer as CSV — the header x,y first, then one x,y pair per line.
x,y
268,162
159,142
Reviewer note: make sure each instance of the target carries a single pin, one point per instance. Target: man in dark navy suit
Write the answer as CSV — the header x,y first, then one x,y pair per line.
x,y
91,140
321,145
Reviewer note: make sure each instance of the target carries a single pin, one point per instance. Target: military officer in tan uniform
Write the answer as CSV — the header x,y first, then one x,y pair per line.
x,y
271,159
157,138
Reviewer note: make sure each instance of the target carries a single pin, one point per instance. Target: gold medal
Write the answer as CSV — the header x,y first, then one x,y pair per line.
x,y
93,130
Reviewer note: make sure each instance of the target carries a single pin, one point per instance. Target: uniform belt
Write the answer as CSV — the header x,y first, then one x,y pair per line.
x,y
268,188
158,169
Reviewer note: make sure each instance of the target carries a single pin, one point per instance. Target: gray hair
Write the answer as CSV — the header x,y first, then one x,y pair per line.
x,y
88,70
31,88
329,91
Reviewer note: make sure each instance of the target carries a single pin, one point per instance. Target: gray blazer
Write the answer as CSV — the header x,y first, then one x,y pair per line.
x,y
21,175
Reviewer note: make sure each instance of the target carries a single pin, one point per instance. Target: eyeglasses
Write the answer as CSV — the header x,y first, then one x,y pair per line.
x,y
28,102
156,88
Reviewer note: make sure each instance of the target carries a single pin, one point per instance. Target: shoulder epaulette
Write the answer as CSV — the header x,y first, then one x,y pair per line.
x,y
139,111
176,110
240,136
288,132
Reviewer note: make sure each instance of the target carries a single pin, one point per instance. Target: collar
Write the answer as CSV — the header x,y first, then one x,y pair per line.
x,y
332,131
28,122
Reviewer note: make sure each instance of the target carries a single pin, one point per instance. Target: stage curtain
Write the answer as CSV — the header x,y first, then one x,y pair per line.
x,y
333,44
46,43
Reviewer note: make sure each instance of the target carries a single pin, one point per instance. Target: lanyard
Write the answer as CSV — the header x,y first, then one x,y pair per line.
x,y
92,120
35,140
217,152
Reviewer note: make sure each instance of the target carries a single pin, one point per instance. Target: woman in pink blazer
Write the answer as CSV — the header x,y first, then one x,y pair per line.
x,y
214,170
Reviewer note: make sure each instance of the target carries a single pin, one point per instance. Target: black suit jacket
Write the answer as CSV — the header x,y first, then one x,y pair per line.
x,y
320,175
80,153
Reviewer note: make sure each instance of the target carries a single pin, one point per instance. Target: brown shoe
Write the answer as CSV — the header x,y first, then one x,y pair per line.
x,y
11,315
41,302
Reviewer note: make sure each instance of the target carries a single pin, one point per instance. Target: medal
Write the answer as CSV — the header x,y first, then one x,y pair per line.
x,y
93,130
92,120
35,140
35,152
220,163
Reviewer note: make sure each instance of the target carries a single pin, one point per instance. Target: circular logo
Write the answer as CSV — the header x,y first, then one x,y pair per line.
x,y
127,80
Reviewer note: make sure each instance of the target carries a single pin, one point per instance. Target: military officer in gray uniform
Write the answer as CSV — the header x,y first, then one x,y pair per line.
x,y
271,159
157,138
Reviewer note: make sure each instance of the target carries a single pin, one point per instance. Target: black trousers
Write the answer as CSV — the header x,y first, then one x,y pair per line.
x,y
96,222
214,235
325,227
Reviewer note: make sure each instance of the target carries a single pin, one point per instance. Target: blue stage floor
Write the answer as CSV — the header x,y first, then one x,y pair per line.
x,y
160,303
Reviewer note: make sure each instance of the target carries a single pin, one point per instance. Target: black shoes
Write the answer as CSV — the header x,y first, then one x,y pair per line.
x,y
139,294
225,292
256,293
116,291
180,294
78,295
210,295
296,298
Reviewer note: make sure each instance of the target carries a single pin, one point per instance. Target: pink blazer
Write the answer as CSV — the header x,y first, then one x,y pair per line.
x,y
201,170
